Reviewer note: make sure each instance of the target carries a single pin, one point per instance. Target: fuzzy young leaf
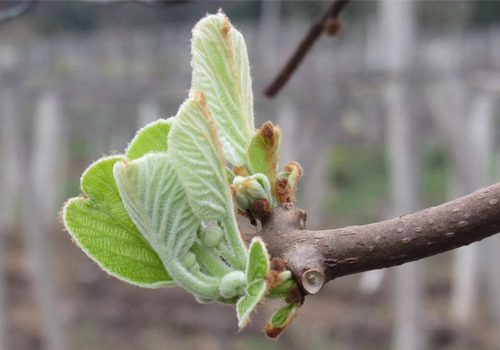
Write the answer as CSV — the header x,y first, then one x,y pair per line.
x,y
221,70
264,152
151,138
257,268
254,294
280,317
280,320
258,261
156,201
100,225
197,156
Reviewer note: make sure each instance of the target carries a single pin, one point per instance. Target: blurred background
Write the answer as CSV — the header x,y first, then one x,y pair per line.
x,y
398,112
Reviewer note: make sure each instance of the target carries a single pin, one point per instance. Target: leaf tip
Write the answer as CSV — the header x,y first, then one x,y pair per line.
x,y
199,97
270,132
293,167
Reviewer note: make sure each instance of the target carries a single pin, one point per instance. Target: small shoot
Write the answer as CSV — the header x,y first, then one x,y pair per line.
x,y
256,271
164,213
280,320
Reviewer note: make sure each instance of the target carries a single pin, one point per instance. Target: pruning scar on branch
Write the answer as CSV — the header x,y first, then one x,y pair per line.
x,y
316,257
329,23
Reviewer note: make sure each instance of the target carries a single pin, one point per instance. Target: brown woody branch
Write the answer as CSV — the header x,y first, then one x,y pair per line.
x,y
328,23
316,257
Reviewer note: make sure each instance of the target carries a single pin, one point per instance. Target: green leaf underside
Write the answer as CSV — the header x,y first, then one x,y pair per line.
x,y
101,226
280,317
264,154
151,138
258,261
197,156
255,292
156,201
257,268
221,70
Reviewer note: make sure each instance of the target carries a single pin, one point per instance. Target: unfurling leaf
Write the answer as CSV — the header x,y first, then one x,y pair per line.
x,y
100,225
151,138
257,269
156,201
197,156
264,152
221,70
294,171
249,301
258,261
280,320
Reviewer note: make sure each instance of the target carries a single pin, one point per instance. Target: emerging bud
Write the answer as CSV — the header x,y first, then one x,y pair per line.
x,y
189,260
250,189
233,284
212,236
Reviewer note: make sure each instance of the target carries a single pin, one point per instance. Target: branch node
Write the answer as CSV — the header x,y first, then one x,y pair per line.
x,y
313,280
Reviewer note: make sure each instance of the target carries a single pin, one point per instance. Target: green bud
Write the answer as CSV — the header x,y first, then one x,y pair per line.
x,y
189,260
250,188
232,284
241,201
212,236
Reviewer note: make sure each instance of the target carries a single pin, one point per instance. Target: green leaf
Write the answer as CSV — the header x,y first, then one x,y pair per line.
x,y
258,261
255,292
101,226
264,152
281,316
197,156
280,320
282,290
151,138
221,70
257,268
156,202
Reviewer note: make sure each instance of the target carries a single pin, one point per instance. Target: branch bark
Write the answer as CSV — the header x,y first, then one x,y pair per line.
x,y
316,257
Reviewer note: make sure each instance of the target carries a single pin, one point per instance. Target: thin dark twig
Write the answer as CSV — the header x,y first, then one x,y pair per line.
x,y
332,13
17,10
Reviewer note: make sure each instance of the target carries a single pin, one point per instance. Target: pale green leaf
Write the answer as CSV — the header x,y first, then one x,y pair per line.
x,y
258,261
264,153
257,268
249,301
151,138
197,156
280,320
101,226
221,70
156,201
281,316
196,152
